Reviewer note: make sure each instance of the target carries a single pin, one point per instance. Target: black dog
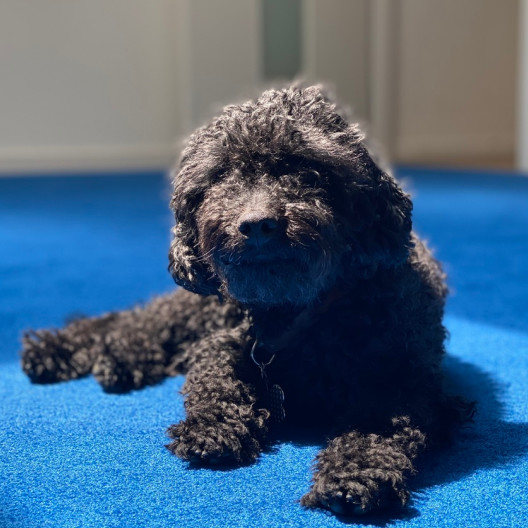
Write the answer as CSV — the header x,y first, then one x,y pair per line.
x,y
309,301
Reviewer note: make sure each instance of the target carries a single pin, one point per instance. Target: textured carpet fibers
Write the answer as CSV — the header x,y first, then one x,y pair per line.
x,y
71,455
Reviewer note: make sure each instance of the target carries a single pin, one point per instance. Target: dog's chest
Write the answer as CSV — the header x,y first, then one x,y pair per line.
x,y
321,376
331,367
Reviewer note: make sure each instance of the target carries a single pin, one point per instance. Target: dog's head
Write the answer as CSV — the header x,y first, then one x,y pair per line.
x,y
277,201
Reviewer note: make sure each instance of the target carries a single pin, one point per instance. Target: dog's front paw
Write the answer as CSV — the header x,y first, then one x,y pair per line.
x,y
347,496
213,443
358,474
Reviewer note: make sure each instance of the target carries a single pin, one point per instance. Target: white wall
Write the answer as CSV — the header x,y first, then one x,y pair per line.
x,y
435,79
224,56
336,42
88,83
116,83
457,79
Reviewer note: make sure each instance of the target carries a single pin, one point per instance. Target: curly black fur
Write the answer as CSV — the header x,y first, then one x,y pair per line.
x,y
300,248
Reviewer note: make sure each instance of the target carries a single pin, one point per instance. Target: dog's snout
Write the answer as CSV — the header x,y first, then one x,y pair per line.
x,y
257,226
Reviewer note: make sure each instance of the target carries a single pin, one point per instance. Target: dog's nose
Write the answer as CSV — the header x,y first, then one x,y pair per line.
x,y
258,227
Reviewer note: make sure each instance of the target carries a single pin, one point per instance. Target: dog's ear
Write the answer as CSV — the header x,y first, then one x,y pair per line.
x,y
393,221
379,220
186,266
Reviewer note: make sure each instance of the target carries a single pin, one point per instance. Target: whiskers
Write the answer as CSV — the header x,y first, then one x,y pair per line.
x,y
205,258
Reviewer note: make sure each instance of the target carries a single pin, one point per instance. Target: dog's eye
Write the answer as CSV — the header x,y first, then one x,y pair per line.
x,y
312,179
307,179
217,175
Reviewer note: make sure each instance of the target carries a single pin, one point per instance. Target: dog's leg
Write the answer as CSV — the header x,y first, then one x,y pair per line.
x,y
150,343
222,424
136,350
125,350
359,473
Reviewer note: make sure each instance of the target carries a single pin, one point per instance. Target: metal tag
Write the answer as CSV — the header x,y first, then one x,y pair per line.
x,y
276,403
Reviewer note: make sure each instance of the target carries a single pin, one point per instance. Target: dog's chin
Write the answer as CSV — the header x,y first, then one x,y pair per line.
x,y
271,283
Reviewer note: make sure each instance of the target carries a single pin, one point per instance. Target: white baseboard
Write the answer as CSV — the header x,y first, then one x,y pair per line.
x,y
86,158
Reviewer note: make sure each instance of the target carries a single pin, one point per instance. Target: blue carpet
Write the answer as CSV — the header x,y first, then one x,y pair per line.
x,y
71,455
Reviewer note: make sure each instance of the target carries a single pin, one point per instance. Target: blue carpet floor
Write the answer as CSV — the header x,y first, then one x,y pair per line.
x,y
71,455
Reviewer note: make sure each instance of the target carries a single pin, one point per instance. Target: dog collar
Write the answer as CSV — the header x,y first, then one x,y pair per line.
x,y
275,394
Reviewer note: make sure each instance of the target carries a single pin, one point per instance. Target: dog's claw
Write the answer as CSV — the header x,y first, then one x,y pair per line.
x,y
344,505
